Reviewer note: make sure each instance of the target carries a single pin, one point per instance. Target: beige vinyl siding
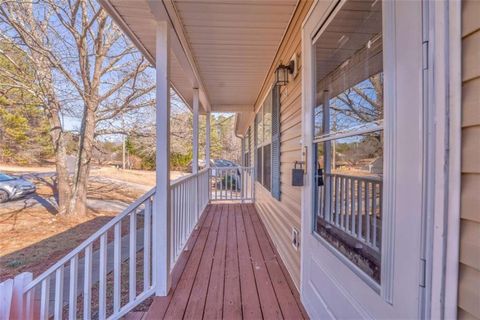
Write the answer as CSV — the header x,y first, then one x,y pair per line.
x,y
469,270
280,216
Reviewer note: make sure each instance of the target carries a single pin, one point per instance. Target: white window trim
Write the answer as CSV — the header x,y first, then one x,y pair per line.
x,y
385,288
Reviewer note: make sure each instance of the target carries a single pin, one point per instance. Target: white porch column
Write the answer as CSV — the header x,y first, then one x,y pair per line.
x,y
195,149
161,214
195,131
207,139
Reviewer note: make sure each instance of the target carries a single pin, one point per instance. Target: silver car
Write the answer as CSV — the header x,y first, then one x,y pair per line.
x,y
13,188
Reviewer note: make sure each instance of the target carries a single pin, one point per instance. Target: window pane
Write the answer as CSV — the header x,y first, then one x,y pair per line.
x,y
349,197
267,119
259,124
357,106
348,69
318,120
259,164
267,166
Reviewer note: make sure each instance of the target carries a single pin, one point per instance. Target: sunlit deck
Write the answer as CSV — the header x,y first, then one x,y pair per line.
x,y
229,270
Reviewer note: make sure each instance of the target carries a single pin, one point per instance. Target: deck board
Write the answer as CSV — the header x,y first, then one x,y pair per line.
x,y
231,272
198,295
214,302
268,299
232,300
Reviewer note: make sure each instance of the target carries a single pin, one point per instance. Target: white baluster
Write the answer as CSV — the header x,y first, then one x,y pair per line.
x,y
87,283
147,225
102,288
132,260
117,266
374,210
72,296
359,210
352,204
58,293
367,210
45,299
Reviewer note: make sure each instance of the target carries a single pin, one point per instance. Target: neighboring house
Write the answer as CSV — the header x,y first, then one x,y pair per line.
x,y
396,81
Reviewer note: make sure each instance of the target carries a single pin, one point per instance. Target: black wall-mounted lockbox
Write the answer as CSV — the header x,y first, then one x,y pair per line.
x,y
298,174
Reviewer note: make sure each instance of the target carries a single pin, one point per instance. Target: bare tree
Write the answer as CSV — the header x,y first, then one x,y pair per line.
x,y
85,68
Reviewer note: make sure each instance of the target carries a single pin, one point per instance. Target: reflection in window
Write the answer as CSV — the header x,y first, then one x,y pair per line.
x,y
349,197
263,123
348,129
318,120
357,106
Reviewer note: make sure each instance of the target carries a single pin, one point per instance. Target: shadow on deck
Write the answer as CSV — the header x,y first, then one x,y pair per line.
x,y
229,270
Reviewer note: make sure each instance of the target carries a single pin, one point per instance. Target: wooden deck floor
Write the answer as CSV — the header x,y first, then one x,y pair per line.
x,y
230,270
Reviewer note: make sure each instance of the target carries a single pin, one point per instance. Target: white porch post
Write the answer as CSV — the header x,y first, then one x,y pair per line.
x,y
195,131
207,140
161,213
195,149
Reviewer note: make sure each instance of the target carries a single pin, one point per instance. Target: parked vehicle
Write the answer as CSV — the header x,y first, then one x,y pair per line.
x,y
226,179
202,164
13,187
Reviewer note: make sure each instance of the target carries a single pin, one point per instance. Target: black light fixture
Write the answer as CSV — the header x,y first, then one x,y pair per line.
x,y
282,72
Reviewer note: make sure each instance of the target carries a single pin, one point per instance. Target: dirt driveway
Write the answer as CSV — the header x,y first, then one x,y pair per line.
x,y
96,201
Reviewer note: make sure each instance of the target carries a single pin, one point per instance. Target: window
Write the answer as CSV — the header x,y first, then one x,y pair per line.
x,y
263,132
348,142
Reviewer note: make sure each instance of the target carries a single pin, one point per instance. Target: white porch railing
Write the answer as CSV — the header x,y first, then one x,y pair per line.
x,y
353,207
111,272
68,285
189,199
232,183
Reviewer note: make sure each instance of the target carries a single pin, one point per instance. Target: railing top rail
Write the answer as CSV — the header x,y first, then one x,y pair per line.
x,y
374,179
187,177
231,168
90,240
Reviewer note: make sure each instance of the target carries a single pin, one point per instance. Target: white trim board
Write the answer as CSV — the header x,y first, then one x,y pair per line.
x,y
444,76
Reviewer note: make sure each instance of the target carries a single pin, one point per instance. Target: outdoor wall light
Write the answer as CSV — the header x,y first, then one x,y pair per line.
x,y
282,72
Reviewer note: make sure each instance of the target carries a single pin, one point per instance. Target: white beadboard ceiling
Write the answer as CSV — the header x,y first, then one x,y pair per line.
x,y
224,47
234,43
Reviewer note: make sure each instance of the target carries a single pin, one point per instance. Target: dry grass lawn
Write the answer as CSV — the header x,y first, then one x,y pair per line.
x,y
34,237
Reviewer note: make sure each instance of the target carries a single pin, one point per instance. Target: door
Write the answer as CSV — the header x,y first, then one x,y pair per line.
x,y
362,128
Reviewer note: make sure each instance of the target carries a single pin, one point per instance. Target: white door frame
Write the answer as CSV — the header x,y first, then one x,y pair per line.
x,y
444,183
443,147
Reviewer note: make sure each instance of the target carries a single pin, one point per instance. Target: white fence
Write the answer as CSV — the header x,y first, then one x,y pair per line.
x,y
232,184
112,271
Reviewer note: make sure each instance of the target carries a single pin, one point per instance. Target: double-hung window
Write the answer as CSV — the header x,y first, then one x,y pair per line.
x,y
348,142
263,132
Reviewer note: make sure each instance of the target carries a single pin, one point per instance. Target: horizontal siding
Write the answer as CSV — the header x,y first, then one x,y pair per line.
x,y
469,270
281,216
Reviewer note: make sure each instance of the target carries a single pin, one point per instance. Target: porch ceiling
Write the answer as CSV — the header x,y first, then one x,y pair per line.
x,y
225,48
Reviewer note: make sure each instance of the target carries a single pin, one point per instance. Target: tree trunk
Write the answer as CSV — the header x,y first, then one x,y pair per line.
x,y
62,183
63,178
78,203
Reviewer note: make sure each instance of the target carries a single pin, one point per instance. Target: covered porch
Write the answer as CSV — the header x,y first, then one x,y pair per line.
x,y
229,269
184,242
